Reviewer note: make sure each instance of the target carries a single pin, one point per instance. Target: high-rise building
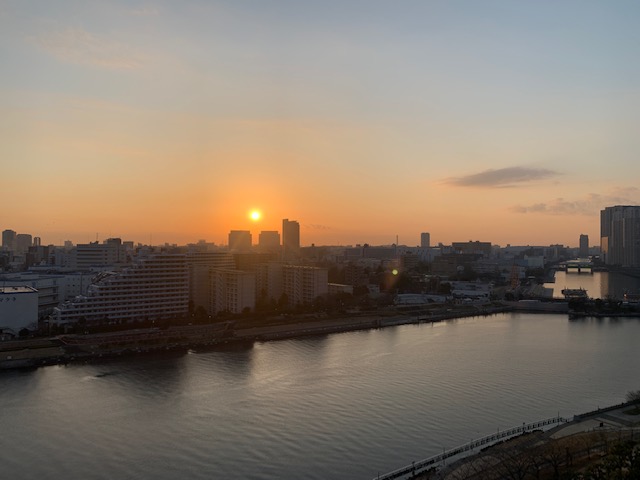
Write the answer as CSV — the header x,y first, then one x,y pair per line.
x,y
583,251
290,238
620,235
23,242
239,241
37,241
9,239
425,240
269,241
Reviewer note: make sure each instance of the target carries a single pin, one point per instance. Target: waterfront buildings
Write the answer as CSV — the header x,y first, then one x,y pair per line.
x,y
303,284
200,266
620,235
155,287
233,291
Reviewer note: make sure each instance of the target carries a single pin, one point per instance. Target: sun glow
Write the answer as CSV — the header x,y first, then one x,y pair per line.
x,y
255,215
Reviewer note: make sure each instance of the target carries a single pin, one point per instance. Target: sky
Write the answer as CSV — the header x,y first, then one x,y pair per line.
x,y
512,122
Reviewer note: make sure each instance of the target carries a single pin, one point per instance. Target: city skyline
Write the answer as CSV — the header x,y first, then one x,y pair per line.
x,y
500,122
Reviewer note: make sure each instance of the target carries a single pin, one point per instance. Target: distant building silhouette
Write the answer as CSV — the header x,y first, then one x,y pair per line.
x,y
239,241
583,251
425,240
620,235
269,241
290,238
9,239
23,242
482,248
108,253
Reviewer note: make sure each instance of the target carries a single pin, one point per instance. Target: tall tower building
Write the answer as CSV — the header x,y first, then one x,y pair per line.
x,y
9,239
583,251
425,240
620,235
290,238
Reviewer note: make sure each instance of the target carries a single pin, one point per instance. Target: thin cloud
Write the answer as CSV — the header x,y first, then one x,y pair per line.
x,y
591,204
314,226
503,177
75,45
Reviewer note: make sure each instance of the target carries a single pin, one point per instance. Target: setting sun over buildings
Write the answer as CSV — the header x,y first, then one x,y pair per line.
x,y
513,123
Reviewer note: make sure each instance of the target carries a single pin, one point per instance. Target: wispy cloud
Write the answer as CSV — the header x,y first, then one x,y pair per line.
x,y
591,204
502,177
313,226
75,45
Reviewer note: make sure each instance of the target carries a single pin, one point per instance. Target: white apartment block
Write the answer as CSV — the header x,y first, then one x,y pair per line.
x,y
155,287
232,291
269,277
200,265
303,284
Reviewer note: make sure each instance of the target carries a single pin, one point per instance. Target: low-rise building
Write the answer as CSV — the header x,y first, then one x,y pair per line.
x,y
18,309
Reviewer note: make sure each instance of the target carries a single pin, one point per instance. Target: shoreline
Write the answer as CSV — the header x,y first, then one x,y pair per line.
x,y
73,348
65,349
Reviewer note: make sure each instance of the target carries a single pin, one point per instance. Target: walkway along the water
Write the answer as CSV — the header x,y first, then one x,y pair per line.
x,y
416,467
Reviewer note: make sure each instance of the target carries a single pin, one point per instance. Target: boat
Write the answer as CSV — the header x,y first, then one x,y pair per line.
x,y
571,293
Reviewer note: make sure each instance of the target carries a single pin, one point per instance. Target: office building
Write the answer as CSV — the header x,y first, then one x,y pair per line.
x,y
425,240
290,238
95,255
583,251
239,241
23,242
9,240
620,235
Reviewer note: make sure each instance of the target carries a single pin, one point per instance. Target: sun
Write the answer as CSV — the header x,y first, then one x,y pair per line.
x,y
255,215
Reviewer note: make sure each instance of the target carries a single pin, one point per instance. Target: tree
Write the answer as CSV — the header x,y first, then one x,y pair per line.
x,y
633,397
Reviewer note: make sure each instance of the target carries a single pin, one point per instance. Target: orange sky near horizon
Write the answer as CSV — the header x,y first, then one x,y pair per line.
x,y
507,123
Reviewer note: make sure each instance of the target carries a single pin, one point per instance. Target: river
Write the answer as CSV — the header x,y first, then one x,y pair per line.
x,y
340,406
597,284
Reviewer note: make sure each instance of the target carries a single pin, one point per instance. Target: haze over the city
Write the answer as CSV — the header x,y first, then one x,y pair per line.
x,y
508,122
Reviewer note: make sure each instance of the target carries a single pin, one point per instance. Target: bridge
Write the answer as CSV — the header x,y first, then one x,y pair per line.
x,y
578,265
417,467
